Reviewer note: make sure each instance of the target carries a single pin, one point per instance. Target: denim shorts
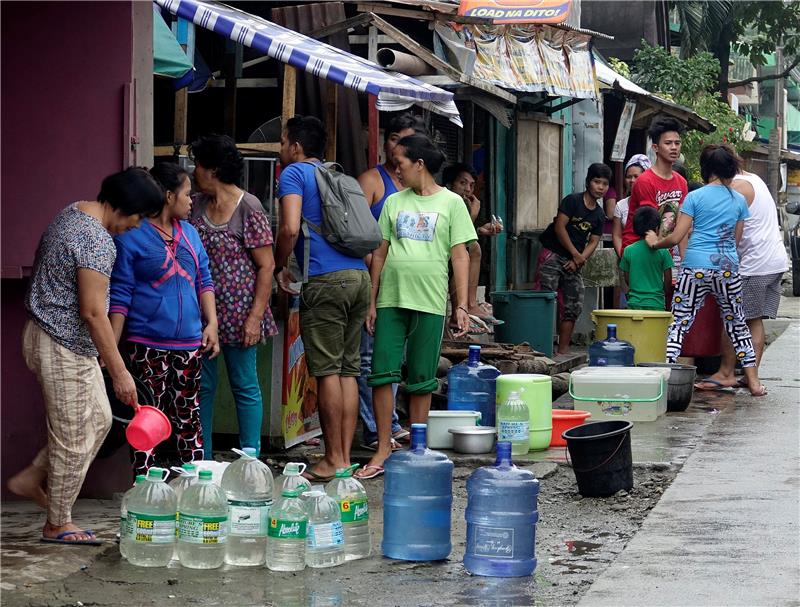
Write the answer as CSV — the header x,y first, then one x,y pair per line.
x,y
333,308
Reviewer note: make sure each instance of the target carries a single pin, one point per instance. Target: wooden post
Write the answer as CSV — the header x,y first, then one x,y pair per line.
x,y
331,113
468,133
233,68
289,92
373,132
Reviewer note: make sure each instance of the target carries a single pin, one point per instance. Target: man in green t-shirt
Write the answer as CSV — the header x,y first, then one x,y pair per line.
x,y
647,272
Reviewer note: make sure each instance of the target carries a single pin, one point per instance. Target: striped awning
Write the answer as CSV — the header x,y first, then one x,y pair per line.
x,y
318,58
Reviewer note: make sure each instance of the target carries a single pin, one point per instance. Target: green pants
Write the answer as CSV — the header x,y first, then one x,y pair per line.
x,y
419,334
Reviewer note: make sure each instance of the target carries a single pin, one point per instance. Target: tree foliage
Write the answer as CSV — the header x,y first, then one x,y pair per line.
x,y
690,82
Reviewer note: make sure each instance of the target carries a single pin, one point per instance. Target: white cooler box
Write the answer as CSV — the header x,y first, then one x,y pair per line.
x,y
634,394
439,422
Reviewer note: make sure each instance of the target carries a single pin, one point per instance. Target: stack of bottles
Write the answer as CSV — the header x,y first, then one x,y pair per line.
x,y
203,525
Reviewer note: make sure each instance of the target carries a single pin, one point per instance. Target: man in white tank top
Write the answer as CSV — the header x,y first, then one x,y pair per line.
x,y
762,262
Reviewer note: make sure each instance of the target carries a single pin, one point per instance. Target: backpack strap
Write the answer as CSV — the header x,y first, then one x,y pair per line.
x,y
305,224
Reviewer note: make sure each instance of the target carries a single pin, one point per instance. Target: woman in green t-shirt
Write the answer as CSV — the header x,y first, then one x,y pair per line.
x,y
424,226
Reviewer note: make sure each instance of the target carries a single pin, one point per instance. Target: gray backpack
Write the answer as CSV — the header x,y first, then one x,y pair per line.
x,y
347,222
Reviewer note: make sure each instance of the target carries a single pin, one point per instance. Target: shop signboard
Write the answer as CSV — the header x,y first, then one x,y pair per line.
x,y
517,11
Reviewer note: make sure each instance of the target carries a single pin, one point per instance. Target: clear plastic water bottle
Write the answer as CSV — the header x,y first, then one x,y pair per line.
x,y
471,387
513,424
151,521
292,478
501,518
124,531
187,476
248,485
203,530
611,352
354,509
417,502
325,536
286,536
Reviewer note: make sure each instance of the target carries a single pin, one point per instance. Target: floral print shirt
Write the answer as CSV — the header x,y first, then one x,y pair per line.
x,y
232,266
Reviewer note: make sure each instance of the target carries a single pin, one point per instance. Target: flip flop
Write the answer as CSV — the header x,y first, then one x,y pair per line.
x,y
402,436
718,386
373,446
59,539
312,476
742,382
378,471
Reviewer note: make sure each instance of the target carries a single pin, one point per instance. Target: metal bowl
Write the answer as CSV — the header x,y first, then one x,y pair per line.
x,y
473,439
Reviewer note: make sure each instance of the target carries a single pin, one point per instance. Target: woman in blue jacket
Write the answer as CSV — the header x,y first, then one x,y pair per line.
x,y
162,300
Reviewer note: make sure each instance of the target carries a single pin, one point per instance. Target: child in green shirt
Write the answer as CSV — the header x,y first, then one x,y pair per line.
x,y
647,272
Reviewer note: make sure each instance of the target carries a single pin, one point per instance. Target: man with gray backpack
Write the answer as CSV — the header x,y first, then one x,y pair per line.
x,y
326,220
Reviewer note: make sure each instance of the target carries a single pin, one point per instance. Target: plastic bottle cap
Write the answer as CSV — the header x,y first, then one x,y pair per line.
x,y
156,473
291,469
189,467
513,395
250,451
290,493
139,479
420,426
345,472
205,475
314,493
475,347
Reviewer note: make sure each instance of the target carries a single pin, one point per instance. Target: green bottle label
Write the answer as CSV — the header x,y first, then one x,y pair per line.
x,y
151,528
203,529
287,530
354,511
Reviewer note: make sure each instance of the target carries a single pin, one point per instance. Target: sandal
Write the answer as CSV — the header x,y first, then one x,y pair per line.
x,y
61,538
373,446
377,471
312,476
718,386
762,392
402,436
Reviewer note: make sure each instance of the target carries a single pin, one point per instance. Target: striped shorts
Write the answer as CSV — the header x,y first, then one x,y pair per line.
x,y
761,295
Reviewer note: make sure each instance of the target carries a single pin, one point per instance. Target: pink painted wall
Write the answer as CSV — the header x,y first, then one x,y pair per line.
x,y
64,70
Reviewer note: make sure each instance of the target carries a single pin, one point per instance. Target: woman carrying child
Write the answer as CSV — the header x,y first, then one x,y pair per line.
x,y
715,215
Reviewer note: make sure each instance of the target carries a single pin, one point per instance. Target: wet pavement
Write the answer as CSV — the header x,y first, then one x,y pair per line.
x,y
724,531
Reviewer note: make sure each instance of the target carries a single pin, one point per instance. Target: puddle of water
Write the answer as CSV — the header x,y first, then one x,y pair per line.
x,y
579,548
571,567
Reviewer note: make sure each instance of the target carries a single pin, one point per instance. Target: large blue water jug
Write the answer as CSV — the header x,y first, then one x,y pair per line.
x,y
470,387
501,518
611,352
417,501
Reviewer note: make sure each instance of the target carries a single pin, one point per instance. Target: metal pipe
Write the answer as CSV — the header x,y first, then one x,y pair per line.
x,y
403,63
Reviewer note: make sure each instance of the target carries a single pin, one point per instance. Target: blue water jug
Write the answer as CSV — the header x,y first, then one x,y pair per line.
x,y
501,518
470,387
417,501
611,352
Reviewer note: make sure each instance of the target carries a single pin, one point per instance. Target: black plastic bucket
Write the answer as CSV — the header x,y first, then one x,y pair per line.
x,y
601,457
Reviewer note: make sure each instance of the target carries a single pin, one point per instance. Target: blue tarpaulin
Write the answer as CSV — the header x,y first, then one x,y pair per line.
x,y
318,58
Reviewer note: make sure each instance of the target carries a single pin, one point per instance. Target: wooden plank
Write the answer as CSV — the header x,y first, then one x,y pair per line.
x,y
356,39
373,131
246,83
183,150
434,61
334,28
549,173
382,8
331,112
233,66
289,92
527,176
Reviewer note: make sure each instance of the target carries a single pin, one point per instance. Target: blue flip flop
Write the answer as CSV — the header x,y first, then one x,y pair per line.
x,y
718,386
59,539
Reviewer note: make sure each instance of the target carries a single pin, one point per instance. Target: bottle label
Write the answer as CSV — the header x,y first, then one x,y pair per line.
x,y
354,511
151,528
496,542
123,526
325,535
250,518
513,431
203,529
287,530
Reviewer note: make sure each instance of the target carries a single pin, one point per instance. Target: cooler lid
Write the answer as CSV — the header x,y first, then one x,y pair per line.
x,y
617,384
454,413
